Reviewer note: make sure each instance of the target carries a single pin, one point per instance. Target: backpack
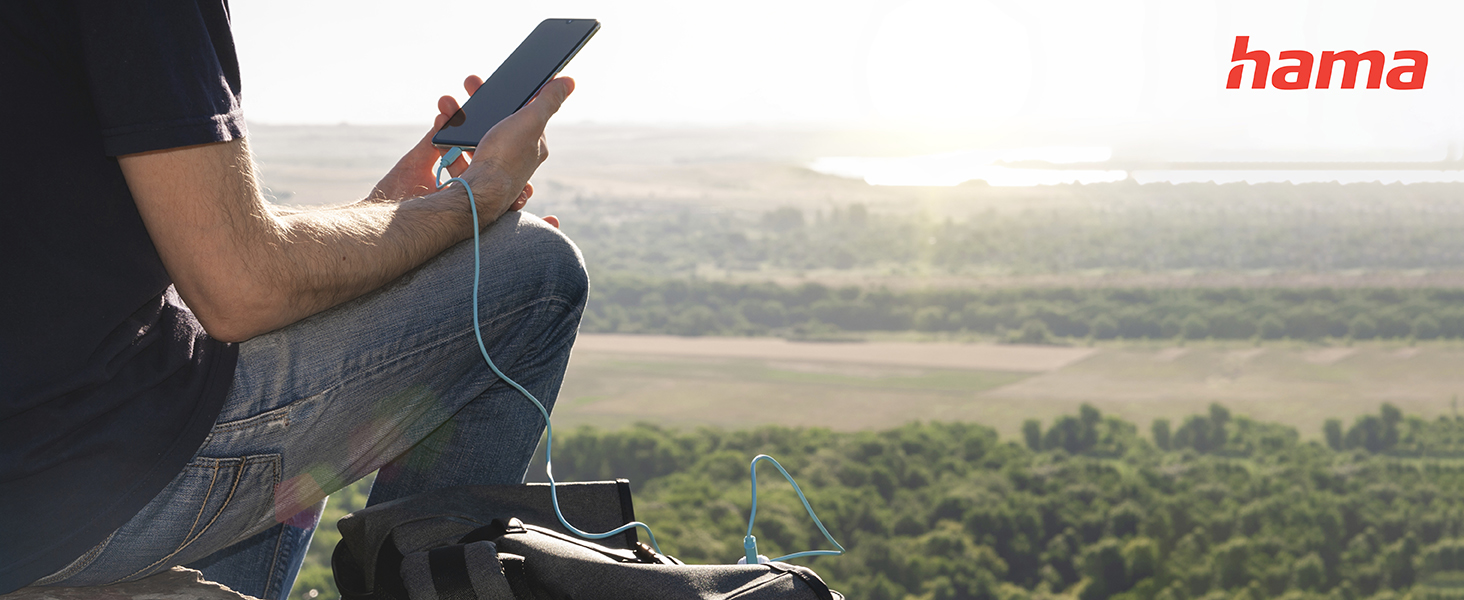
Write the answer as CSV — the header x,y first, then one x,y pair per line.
x,y
505,543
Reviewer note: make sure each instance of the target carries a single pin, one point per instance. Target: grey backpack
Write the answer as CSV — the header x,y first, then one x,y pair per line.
x,y
505,543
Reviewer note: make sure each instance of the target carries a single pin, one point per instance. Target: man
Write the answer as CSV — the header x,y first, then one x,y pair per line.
x,y
185,370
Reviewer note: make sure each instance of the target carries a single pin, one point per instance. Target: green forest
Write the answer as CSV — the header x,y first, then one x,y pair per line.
x,y
634,304
1313,227
1087,507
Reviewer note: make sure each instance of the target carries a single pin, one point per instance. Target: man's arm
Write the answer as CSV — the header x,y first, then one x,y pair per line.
x,y
245,269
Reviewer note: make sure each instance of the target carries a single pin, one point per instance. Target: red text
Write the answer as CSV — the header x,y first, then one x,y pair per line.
x,y
1298,76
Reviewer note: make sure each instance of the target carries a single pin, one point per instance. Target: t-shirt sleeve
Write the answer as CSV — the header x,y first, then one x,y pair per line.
x,y
163,73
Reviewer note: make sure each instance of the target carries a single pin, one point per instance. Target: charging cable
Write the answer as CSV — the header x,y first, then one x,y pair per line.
x,y
447,159
749,543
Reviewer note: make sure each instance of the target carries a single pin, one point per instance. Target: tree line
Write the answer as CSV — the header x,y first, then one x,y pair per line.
x,y
1119,226
1218,507
1214,506
635,304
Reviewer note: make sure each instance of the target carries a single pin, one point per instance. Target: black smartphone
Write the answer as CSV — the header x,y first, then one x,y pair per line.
x,y
536,61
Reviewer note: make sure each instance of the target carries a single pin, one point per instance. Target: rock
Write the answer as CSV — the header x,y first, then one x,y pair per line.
x,y
176,584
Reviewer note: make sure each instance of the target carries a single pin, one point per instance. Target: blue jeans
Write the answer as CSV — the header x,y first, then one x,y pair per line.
x,y
392,381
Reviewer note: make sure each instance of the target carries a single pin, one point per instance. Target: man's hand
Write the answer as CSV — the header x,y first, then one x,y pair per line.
x,y
511,151
413,174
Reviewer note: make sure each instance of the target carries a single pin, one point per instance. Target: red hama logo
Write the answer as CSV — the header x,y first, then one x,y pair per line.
x,y
1299,76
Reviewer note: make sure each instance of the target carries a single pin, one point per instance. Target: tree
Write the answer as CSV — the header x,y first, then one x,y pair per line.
x,y
1204,433
1103,327
1308,573
1170,327
1032,434
1332,430
1033,331
1362,327
1103,570
1271,327
933,318
1375,433
1425,327
1194,327
768,313
1232,563
697,320
1160,429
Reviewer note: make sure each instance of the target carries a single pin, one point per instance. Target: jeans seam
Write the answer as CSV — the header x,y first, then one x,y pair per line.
x,y
238,476
244,423
78,565
274,565
201,506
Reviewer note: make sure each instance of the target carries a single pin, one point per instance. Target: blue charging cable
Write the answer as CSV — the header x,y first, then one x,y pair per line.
x,y
749,543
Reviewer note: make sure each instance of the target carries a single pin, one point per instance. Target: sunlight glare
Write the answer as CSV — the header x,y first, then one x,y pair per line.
x,y
938,63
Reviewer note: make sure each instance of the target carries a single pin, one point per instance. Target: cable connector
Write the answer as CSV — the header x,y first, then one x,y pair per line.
x,y
749,544
450,157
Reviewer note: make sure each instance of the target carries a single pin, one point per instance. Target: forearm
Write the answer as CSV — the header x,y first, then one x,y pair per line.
x,y
246,268
322,258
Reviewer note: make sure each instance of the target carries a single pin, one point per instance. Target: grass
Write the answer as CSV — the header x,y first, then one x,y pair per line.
x,y
612,391
1296,383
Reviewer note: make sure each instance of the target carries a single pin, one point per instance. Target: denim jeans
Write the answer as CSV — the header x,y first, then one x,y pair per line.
x,y
392,381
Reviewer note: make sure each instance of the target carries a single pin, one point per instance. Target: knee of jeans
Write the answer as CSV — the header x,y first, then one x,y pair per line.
x,y
558,260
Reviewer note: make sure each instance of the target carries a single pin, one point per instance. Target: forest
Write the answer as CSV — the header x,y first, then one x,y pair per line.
x,y
1120,226
1086,507
635,304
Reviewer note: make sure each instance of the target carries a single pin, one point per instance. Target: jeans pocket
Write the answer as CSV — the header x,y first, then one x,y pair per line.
x,y
238,503
211,504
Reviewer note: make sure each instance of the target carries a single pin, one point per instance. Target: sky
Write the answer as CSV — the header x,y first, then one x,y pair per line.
x,y
1130,74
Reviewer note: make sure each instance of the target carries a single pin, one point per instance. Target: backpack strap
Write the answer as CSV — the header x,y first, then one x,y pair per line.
x,y
449,566
492,531
627,514
806,574
387,581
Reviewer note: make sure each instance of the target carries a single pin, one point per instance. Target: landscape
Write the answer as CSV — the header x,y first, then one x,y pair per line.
x,y
1150,391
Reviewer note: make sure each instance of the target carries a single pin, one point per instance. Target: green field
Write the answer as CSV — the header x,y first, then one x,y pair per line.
x,y
1297,384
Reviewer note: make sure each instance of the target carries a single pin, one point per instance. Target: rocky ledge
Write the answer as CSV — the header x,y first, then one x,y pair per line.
x,y
177,584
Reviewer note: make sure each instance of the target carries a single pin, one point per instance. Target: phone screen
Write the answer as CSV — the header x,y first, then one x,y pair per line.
x,y
536,60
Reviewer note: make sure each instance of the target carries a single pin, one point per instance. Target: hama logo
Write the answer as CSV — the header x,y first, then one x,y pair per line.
x,y
1298,76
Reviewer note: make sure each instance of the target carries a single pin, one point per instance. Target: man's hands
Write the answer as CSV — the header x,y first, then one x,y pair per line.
x,y
514,152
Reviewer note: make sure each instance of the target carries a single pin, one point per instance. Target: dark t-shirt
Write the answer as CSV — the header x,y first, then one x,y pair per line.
x,y
108,385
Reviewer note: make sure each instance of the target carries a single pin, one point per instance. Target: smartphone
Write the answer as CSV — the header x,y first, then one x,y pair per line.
x,y
536,61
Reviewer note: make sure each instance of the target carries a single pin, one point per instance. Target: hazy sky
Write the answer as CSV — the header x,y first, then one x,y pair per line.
x,y
1077,72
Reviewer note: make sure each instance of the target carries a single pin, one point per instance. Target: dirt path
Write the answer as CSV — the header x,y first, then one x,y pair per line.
x,y
982,357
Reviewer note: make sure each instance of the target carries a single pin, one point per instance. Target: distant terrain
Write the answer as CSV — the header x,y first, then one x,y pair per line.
x,y
735,288
665,216
683,382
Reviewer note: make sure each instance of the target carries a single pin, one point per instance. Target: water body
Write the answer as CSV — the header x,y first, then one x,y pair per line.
x,y
1024,168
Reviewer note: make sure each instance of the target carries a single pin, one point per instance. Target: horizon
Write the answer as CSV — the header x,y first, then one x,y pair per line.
x,y
1121,74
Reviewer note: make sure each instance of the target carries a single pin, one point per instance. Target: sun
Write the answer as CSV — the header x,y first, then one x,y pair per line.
x,y
937,64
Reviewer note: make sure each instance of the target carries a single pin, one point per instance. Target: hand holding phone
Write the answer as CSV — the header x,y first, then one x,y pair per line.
x,y
532,65
511,152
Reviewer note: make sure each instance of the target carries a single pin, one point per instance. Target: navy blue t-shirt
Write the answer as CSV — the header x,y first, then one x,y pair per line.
x,y
108,385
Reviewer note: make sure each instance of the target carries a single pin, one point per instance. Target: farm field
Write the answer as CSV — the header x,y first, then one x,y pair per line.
x,y
616,380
